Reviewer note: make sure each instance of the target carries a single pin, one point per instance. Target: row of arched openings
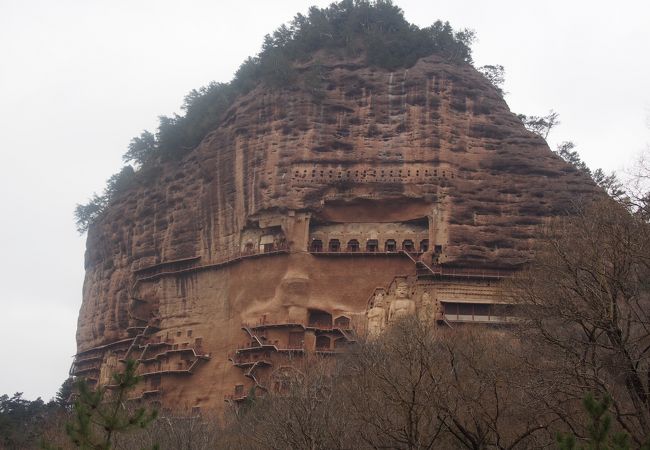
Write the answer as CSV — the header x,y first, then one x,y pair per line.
x,y
324,343
371,245
322,319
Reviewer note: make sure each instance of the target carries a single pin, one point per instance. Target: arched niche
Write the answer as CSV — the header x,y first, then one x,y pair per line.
x,y
322,343
353,245
319,319
342,322
316,246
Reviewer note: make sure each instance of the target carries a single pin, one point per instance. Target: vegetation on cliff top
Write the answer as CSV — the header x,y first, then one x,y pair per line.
x,y
372,29
350,28
376,30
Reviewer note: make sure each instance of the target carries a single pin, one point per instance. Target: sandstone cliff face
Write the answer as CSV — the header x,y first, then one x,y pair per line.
x,y
430,156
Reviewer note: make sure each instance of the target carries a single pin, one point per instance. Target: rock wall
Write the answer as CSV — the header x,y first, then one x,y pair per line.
x,y
229,235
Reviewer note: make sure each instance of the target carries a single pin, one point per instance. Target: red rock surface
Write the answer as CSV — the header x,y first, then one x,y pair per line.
x,y
369,155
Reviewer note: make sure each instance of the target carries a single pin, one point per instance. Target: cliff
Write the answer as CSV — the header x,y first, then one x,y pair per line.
x,y
299,203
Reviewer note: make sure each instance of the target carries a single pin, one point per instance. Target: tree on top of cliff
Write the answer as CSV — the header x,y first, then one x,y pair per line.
x,y
372,29
352,28
89,212
376,29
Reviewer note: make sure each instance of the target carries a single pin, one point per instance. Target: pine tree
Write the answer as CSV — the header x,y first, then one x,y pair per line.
x,y
99,415
599,435
64,394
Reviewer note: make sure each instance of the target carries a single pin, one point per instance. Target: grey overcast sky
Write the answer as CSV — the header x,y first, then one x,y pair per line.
x,y
80,78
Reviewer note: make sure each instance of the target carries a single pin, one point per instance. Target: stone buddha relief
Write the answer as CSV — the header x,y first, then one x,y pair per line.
x,y
401,304
376,314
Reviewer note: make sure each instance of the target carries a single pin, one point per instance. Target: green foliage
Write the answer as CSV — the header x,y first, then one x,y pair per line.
x,y
249,403
376,29
100,415
540,125
314,81
566,151
21,420
64,394
142,149
120,182
203,108
86,214
599,432
609,183
495,74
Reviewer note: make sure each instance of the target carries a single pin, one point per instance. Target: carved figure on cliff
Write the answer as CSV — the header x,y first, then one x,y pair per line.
x,y
401,305
426,309
376,315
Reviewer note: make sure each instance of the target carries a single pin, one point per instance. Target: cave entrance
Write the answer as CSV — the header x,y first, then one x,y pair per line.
x,y
319,319
296,339
316,246
342,322
322,343
353,245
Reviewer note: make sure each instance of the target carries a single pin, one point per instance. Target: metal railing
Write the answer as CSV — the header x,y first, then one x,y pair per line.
x,y
281,248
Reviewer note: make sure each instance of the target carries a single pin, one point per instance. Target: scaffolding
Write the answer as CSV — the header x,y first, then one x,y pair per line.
x,y
257,355
166,269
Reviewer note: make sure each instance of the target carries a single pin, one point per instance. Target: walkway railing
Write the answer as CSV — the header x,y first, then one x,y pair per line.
x,y
294,323
347,252
141,274
235,397
246,347
475,318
